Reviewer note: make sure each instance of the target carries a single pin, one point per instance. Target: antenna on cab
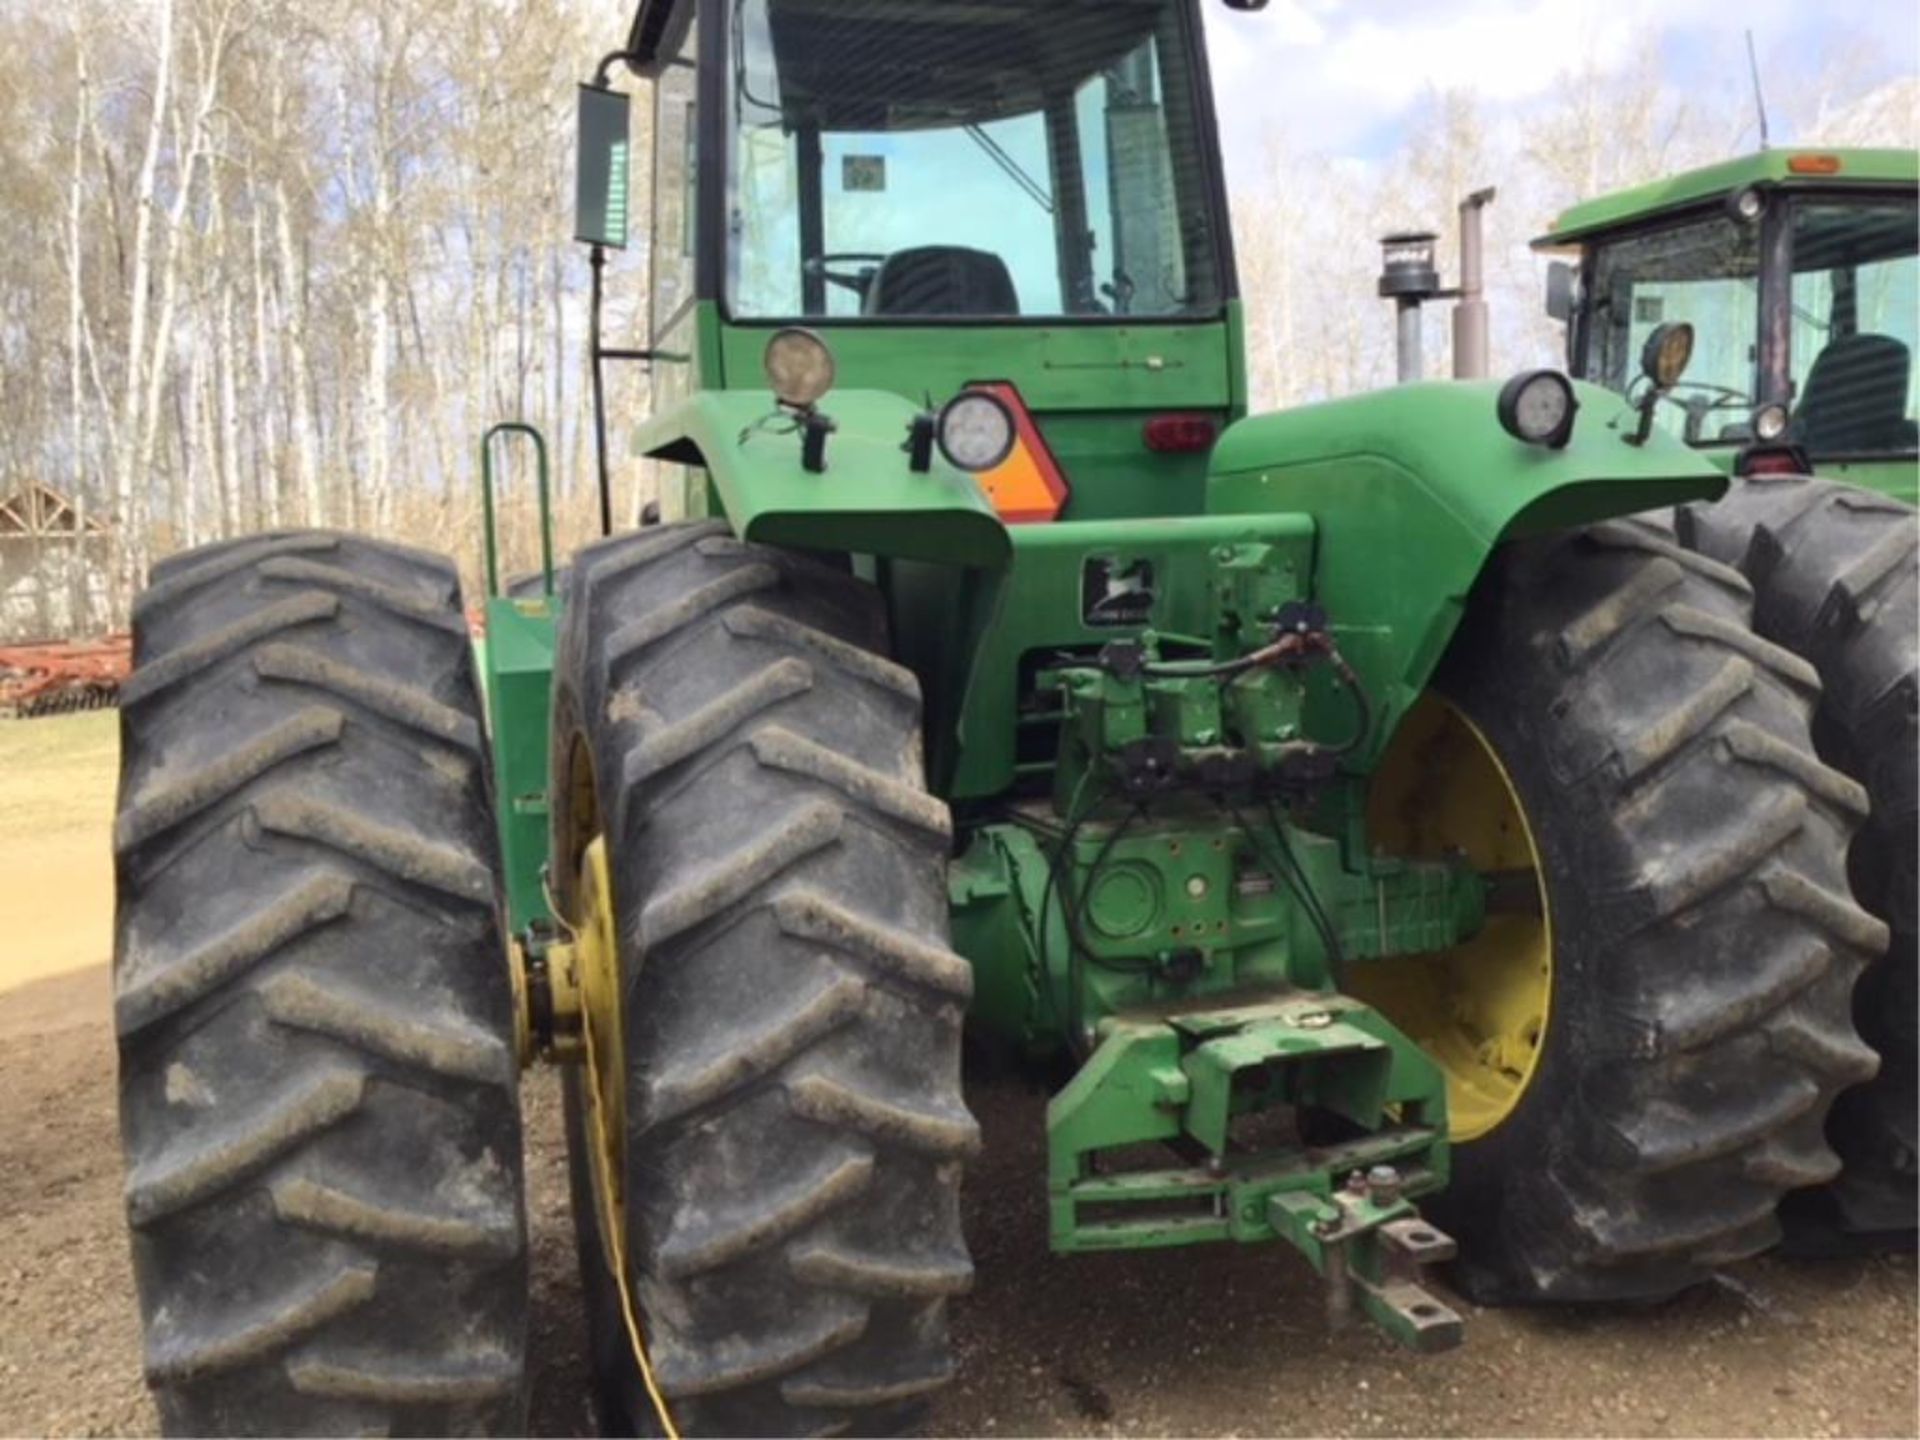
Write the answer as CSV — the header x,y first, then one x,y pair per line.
x,y
1759,99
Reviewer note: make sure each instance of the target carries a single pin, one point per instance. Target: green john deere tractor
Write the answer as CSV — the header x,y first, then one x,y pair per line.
x,y
1395,849
1798,272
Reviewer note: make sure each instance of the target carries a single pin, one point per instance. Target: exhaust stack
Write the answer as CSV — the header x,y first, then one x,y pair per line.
x,y
1470,360
1410,278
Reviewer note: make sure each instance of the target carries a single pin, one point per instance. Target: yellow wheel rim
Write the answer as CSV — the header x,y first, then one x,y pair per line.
x,y
1480,1009
587,966
595,956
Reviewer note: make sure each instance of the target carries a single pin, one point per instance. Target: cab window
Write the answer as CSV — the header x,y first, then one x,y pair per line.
x,y
675,133
1705,272
1856,306
918,158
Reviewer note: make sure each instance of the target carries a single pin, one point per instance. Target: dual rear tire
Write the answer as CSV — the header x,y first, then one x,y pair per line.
x,y
1688,854
727,724
1836,581
318,1085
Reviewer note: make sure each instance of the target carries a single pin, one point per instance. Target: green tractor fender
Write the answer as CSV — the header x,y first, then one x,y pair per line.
x,y
866,499
1410,490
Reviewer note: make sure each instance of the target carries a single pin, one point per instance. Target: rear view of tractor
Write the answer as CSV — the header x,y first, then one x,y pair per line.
x,y
1402,855
1798,274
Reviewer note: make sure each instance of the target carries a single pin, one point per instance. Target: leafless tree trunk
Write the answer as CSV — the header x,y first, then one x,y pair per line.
x,y
298,376
266,452
130,501
191,144
76,318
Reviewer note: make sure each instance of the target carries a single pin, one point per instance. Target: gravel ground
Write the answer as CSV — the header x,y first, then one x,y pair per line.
x,y
1203,1342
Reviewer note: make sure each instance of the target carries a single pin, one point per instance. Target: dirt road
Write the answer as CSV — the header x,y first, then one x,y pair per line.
x,y
56,872
1194,1343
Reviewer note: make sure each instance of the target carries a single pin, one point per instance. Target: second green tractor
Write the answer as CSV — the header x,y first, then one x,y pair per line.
x,y
1799,273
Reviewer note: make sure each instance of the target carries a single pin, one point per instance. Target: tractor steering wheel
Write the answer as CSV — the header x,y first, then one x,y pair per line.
x,y
1720,392
859,281
1711,397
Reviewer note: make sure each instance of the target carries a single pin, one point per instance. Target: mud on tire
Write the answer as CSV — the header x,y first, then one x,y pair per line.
x,y
795,1128
1705,943
1837,581
317,1086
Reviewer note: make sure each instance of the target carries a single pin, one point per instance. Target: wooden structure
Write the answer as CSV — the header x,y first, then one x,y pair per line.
x,y
55,567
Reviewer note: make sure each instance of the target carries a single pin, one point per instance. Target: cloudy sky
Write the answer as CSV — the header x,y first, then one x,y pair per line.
x,y
1344,77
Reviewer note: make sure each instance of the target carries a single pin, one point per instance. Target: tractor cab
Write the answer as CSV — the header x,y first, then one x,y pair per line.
x,y
950,196
1799,276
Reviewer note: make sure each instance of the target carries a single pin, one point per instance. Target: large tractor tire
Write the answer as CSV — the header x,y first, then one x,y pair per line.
x,y
1643,1044
1836,578
317,1082
738,761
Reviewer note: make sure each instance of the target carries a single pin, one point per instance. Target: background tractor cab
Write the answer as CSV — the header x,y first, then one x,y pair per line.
x,y
1798,273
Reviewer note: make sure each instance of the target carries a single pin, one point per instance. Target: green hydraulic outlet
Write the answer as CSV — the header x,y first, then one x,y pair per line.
x,y
1206,1086
519,676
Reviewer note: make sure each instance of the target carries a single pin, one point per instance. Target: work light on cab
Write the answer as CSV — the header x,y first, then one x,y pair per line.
x,y
799,367
1668,351
975,431
1537,406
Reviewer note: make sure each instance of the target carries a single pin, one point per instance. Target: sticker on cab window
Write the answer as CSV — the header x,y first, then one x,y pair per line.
x,y
863,174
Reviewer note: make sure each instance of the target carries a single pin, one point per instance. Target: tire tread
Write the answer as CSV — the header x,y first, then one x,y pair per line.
x,y
318,1097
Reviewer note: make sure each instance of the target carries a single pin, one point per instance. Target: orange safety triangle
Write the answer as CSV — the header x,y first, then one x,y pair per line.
x,y
1027,487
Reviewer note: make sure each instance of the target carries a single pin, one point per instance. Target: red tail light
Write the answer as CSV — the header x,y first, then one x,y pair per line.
x,y
1772,460
1181,434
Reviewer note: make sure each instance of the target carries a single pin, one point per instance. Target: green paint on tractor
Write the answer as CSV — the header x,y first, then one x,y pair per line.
x,y
1154,715
1797,269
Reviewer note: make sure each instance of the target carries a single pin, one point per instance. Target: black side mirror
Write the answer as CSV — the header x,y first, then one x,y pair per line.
x,y
1246,4
1561,281
601,175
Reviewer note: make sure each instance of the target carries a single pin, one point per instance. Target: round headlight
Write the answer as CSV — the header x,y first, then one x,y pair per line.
x,y
1537,406
1669,348
1770,422
975,431
799,367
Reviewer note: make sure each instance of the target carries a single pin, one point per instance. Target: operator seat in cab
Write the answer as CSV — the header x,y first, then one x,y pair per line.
x,y
942,280
1855,398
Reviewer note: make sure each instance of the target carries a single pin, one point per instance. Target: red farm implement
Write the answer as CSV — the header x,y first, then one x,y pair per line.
x,y
56,677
